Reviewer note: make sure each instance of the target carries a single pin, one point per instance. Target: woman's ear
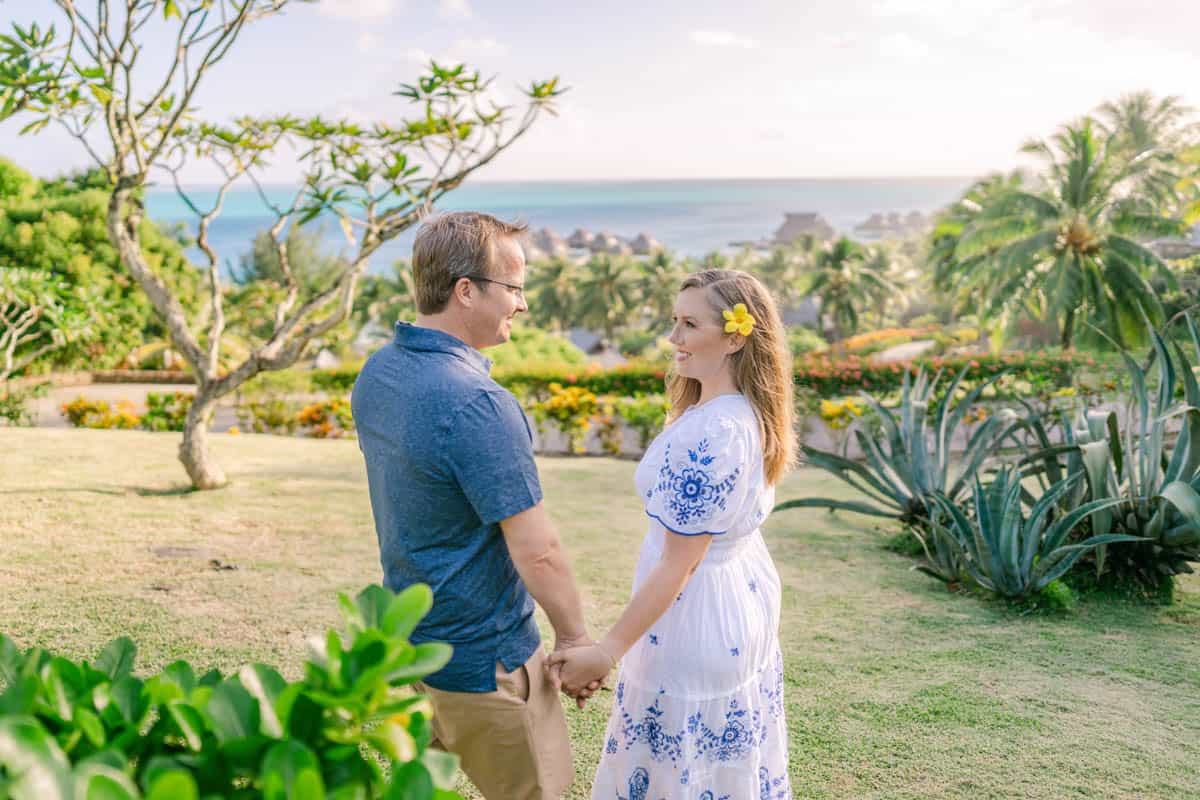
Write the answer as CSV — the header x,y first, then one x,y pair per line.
x,y
734,344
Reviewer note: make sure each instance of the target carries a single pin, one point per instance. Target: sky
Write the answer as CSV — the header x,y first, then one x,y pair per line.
x,y
708,88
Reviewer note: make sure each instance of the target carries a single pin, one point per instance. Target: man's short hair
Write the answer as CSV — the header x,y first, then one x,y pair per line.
x,y
453,246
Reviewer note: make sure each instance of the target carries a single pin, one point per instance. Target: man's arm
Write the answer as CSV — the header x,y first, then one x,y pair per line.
x,y
538,555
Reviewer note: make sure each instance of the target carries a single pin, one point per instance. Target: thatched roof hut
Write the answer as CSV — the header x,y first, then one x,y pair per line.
x,y
581,239
548,240
797,226
645,244
605,242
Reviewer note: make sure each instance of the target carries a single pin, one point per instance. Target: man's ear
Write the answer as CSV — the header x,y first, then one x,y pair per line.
x,y
464,291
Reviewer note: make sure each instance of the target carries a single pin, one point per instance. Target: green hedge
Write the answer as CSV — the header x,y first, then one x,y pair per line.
x,y
821,374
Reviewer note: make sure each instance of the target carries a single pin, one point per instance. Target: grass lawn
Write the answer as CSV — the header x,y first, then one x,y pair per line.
x,y
896,688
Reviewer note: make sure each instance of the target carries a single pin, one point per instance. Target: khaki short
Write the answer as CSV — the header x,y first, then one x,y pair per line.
x,y
512,742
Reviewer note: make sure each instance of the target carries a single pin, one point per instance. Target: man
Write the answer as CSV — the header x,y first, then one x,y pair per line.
x,y
458,505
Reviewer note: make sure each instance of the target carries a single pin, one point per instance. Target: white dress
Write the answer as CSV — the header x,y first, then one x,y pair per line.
x,y
699,712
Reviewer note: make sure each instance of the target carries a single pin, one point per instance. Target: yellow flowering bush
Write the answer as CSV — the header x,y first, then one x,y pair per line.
x,y
84,413
328,419
572,409
838,414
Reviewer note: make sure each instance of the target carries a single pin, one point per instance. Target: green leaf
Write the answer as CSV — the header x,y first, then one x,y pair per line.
x,y
406,610
171,9
102,94
11,660
92,727
96,781
190,723
442,766
126,695
410,781
232,712
116,660
290,771
34,765
430,657
265,685
372,603
175,784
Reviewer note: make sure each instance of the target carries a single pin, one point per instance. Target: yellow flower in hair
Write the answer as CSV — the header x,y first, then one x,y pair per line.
x,y
738,320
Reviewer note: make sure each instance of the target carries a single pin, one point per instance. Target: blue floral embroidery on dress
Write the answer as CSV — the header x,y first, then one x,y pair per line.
x,y
753,586
733,651
708,795
773,788
735,741
639,785
683,779
649,730
653,639
773,692
611,747
692,494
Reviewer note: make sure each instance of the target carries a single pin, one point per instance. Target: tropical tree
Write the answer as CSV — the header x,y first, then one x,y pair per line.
x,y
1157,131
39,314
134,116
553,287
386,298
1068,249
847,280
660,280
787,270
609,293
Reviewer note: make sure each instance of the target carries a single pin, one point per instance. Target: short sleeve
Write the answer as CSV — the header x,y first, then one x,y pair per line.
x,y
490,449
703,478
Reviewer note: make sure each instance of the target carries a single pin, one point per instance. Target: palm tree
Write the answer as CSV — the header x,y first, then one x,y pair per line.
x,y
660,279
1155,130
847,280
787,271
553,288
609,292
1069,249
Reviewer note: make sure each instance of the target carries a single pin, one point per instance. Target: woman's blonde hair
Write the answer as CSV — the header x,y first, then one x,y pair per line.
x,y
762,368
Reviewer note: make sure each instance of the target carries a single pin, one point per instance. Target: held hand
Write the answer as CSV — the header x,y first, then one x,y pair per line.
x,y
582,670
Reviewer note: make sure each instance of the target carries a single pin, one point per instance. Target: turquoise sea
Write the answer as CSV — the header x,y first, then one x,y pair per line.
x,y
690,217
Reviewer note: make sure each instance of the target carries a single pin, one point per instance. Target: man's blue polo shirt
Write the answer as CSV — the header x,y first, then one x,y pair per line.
x,y
449,455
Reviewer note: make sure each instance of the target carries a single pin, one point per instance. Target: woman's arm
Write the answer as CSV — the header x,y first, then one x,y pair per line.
x,y
681,555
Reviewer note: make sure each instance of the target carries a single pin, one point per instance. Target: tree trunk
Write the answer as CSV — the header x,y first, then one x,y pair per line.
x,y
194,451
1068,330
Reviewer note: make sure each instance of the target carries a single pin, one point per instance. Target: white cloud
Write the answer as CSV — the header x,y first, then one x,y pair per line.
x,y
415,55
902,47
723,39
470,50
357,9
455,9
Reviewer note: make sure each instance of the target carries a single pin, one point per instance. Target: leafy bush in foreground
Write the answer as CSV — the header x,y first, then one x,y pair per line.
x,y
348,729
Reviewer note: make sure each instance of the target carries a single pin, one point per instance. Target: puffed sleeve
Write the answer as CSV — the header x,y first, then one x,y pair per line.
x,y
703,478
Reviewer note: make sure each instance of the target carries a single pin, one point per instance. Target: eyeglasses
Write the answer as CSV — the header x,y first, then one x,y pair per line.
x,y
518,291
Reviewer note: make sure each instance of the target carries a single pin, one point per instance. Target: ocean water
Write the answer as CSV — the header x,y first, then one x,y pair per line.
x,y
690,217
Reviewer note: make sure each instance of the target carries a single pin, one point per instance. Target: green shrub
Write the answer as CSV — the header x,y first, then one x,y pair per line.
x,y
272,415
348,728
286,382
803,340
14,404
166,411
529,345
647,415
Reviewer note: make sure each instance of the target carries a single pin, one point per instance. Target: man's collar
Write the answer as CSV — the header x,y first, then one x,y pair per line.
x,y
414,337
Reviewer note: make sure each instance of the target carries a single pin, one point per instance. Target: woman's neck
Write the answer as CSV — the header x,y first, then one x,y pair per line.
x,y
715,387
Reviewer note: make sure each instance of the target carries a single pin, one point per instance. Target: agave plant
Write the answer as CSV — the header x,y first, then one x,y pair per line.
x,y
1004,549
1155,480
911,460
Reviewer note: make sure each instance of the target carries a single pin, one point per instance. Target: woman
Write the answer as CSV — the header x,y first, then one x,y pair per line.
x,y
699,709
